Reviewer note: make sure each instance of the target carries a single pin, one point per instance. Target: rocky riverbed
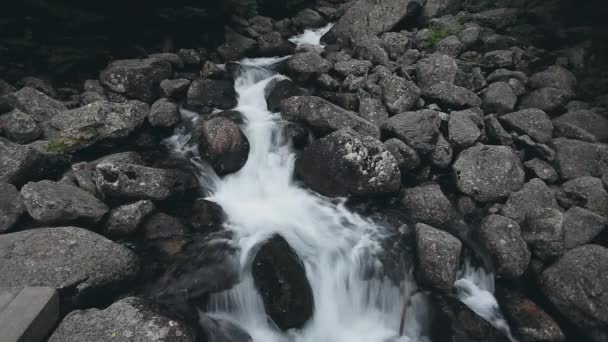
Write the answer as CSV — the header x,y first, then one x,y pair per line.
x,y
465,140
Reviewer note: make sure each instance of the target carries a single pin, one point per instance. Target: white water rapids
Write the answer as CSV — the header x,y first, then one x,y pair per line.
x,y
336,245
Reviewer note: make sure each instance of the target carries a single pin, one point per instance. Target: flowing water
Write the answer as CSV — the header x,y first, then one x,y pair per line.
x,y
354,299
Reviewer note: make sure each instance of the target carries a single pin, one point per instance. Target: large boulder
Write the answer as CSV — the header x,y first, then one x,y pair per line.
x,y
464,128
434,69
222,143
532,122
324,117
577,286
19,127
438,256
544,233
418,129
533,196
82,127
554,77
581,226
451,97
50,202
588,121
80,264
587,192
407,158
398,94
488,173
11,207
502,238
136,78
164,113
236,46
549,100
427,204
279,91
304,64
207,94
129,319
347,163
575,158
38,105
280,277
17,162
499,98
372,18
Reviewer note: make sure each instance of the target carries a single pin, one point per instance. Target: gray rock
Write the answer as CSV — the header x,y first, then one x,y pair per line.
x,y
190,57
450,96
581,226
450,46
281,90
302,65
435,69
235,46
406,157
544,233
308,18
496,132
19,127
273,44
463,128
576,286
532,122
417,129
222,143
6,88
207,94
550,100
89,97
365,17
130,181
502,238
49,202
442,152
124,220
395,44
347,163
437,8
326,82
587,192
427,204
370,48
136,78
38,105
11,207
82,127
373,111
213,71
77,262
398,94
129,319
174,89
499,98
554,77
324,117
570,131
589,121
438,256
541,169
488,173
498,59
164,113
470,36
534,196
504,75
355,67
574,158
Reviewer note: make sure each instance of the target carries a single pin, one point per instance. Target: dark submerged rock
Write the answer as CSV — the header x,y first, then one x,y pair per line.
x,y
223,144
136,78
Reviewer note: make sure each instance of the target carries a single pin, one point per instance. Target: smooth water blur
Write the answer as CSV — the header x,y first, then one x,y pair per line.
x,y
311,36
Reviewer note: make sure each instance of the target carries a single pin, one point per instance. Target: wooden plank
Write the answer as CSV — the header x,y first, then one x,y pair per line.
x,y
30,315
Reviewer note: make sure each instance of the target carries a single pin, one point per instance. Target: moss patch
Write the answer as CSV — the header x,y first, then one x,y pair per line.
x,y
435,35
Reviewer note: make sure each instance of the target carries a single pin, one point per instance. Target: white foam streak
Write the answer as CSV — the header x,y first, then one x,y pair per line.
x,y
311,36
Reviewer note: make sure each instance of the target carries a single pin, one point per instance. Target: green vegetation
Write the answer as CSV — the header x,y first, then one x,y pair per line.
x,y
434,36
72,141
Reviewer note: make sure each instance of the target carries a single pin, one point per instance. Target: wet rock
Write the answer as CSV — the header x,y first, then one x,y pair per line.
x,y
435,69
438,256
417,129
355,67
450,96
206,215
544,233
581,226
502,238
550,100
280,91
280,277
273,44
164,113
427,204
398,94
347,163
82,127
488,173
136,78
499,98
406,157
534,196
212,71
80,264
11,207
124,220
576,286
174,89
308,18
395,44
554,77
236,46
160,226
532,122
207,94
136,182
38,105
303,65
527,320
130,319
588,121
587,192
463,128
373,111
541,169
49,202
19,127
221,330
222,143
324,117
456,322
442,152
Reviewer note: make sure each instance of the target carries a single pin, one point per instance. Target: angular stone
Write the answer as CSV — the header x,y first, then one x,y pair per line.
x,y
574,158
273,44
550,100
164,113
554,77
417,129
532,122
438,256
544,233
453,97
406,157
373,111
11,207
588,121
19,127
352,67
427,204
136,78
587,192
541,169
442,152
499,98
463,128
38,105
435,69
502,238
207,94
398,94
307,63
124,220
534,196
174,89
581,226
30,313
280,91
236,46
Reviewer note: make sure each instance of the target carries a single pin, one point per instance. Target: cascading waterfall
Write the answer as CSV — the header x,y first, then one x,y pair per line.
x,y
340,249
